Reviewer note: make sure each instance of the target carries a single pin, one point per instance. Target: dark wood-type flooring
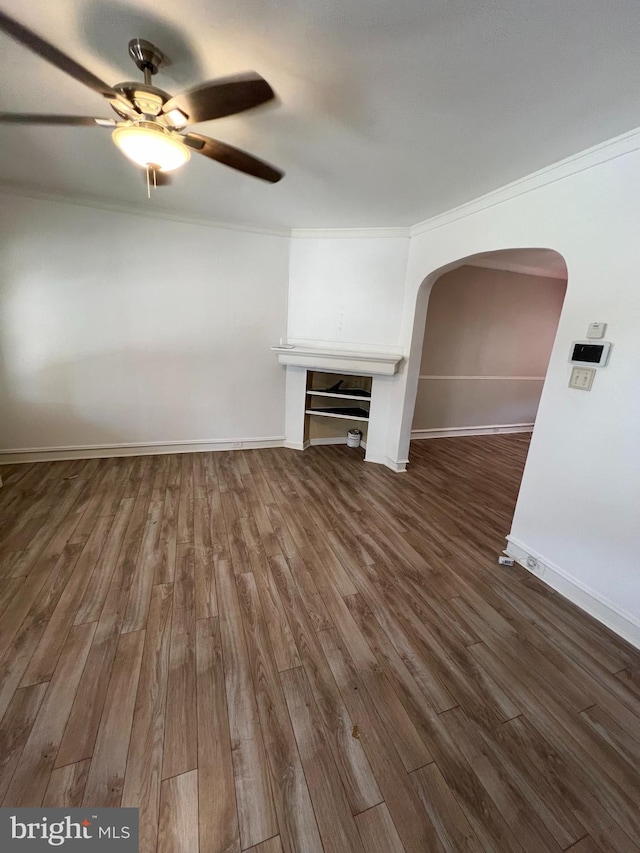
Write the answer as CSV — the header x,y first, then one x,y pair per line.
x,y
272,650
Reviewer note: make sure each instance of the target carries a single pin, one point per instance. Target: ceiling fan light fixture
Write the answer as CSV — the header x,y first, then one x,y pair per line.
x,y
151,146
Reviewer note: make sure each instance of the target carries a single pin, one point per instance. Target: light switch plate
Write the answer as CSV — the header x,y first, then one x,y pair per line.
x,y
582,378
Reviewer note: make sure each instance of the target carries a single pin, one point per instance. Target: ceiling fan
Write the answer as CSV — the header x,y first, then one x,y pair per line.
x,y
150,128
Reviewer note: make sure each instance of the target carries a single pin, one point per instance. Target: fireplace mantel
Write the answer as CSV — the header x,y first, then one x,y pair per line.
x,y
339,361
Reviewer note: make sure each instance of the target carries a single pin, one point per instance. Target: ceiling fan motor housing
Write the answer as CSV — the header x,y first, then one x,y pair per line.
x,y
146,56
148,100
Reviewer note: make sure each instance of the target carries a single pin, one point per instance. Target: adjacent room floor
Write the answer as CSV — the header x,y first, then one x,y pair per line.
x,y
273,650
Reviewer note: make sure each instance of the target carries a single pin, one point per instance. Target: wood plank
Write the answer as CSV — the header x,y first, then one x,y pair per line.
x,y
585,845
109,761
178,831
185,503
30,780
82,728
296,820
40,582
283,643
181,729
8,587
96,592
144,763
43,662
205,581
273,845
256,812
406,738
450,822
66,786
165,567
219,832
627,747
15,728
142,581
575,777
378,832
355,771
338,830
415,829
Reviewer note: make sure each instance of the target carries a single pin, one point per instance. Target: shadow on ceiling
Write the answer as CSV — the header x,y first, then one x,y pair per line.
x,y
107,26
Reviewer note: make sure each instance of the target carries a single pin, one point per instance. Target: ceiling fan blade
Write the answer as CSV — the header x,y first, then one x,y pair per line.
x,y
219,98
56,57
233,157
71,121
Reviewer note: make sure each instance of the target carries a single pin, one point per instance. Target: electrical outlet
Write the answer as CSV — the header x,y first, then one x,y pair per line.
x,y
532,563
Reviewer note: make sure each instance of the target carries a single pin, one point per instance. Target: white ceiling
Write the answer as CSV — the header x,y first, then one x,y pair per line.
x,y
390,111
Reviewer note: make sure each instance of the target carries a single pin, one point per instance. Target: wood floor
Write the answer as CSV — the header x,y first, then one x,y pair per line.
x,y
272,650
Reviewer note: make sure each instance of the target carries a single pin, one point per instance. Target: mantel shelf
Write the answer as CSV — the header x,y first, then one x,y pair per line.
x,y
340,361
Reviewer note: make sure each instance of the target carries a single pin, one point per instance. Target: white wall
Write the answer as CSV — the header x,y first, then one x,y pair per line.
x,y
347,291
116,328
488,339
580,496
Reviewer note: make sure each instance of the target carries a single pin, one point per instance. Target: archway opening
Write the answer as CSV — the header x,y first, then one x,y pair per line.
x,y
489,332
484,331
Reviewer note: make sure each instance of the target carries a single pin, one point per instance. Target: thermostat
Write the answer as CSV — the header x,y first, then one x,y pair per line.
x,y
588,354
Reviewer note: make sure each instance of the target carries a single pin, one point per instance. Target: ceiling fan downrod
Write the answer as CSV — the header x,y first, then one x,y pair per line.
x,y
147,57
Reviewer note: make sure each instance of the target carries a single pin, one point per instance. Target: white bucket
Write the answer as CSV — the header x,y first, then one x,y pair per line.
x,y
353,438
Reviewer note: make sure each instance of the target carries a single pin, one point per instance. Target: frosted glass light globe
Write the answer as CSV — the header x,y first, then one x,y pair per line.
x,y
151,146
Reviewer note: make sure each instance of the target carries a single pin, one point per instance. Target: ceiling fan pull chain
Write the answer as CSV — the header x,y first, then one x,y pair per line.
x,y
148,187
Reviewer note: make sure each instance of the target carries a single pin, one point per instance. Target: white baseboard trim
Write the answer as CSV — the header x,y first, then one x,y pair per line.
x,y
619,621
451,432
318,442
296,445
90,451
397,465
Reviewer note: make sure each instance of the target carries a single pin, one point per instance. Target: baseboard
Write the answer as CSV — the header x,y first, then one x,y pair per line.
x,y
296,445
451,432
53,454
318,442
397,465
619,621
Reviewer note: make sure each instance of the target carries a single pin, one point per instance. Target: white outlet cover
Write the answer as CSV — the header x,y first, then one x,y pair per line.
x,y
582,378
596,330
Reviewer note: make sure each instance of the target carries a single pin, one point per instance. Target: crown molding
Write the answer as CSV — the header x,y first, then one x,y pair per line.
x,y
350,233
97,203
626,143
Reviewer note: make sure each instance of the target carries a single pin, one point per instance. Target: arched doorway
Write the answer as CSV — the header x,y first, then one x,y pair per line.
x,y
407,389
490,327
